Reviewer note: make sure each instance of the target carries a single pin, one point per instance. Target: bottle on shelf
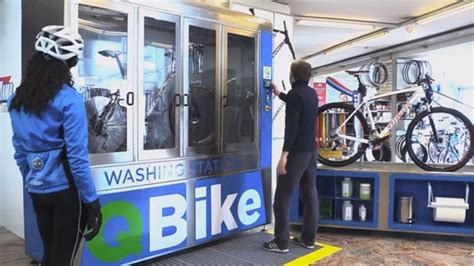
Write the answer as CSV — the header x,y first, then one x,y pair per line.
x,y
364,191
346,190
362,213
347,211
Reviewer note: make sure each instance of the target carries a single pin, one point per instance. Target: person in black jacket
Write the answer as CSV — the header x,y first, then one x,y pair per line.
x,y
297,165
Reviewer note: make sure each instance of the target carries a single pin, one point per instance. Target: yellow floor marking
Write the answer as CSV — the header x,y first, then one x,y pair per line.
x,y
315,256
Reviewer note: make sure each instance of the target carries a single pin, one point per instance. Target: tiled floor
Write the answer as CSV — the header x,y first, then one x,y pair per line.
x,y
358,248
12,249
384,248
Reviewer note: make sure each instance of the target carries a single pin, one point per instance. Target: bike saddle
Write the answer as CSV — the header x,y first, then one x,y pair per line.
x,y
94,92
356,72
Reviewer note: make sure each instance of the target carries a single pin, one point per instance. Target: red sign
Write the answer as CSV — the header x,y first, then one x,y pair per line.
x,y
5,79
320,88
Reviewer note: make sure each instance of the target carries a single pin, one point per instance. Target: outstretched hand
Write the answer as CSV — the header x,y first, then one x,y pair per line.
x,y
276,89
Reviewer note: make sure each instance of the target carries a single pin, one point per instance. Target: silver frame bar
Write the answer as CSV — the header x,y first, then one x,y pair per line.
x,y
250,146
157,153
213,148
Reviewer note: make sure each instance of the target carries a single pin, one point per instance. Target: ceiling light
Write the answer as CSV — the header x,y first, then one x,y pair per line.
x,y
334,24
355,41
162,45
436,15
369,37
103,32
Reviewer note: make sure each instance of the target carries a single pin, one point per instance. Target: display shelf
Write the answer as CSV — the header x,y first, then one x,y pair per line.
x,y
326,197
343,198
415,185
328,183
340,222
352,198
388,181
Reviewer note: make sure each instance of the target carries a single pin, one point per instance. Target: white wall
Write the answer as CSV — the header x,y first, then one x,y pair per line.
x,y
11,191
281,67
281,72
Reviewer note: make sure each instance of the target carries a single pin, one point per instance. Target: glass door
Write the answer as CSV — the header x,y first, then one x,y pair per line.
x,y
105,80
160,96
201,83
239,101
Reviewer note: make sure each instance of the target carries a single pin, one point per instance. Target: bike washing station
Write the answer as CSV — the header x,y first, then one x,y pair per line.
x,y
178,103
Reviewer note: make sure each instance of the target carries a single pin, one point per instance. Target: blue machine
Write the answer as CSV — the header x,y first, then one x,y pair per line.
x,y
178,103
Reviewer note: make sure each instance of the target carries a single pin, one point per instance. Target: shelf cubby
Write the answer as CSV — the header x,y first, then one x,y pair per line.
x,y
328,183
417,186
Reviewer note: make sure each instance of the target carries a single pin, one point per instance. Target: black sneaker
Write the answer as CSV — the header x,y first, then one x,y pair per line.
x,y
299,242
273,246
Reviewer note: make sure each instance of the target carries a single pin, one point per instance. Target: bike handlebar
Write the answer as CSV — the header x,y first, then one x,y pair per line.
x,y
286,40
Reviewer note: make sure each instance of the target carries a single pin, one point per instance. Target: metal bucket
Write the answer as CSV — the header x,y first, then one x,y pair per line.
x,y
405,212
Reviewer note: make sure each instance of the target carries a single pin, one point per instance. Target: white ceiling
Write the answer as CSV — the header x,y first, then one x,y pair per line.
x,y
309,40
377,10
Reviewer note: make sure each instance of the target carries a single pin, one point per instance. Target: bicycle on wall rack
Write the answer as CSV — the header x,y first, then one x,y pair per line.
x,y
344,133
286,40
370,75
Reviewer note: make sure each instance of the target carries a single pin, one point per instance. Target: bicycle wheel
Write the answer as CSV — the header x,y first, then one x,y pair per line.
x,y
400,143
421,153
333,150
107,122
383,153
202,126
447,133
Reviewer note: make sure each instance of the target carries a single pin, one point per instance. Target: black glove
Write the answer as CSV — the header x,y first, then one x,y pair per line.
x,y
94,219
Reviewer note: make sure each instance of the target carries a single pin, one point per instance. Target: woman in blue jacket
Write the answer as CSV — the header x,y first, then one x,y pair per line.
x,y
50,139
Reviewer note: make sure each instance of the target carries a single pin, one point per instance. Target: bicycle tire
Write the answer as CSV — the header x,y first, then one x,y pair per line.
x,y
421,69
404,152
449,168
384,153
202,104
361,148
400,143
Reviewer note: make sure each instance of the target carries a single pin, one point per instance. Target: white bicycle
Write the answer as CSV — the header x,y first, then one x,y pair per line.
x,y
344,134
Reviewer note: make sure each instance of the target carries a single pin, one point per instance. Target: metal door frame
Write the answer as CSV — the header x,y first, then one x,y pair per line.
x,y
158,153
249,146
130,11
214,148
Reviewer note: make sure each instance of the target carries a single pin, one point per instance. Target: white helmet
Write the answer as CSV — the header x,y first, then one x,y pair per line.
x,y
59,42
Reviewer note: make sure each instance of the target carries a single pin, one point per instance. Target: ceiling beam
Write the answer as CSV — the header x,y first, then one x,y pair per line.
x,y
411,21
265,5
439,40
347,21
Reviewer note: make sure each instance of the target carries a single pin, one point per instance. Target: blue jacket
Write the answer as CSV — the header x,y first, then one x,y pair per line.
x,y
39,143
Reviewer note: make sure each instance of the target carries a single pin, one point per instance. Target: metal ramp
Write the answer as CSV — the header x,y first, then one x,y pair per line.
x,y
245,249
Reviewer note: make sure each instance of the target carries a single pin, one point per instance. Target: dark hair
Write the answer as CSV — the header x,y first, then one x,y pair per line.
x,y
44,77
301,70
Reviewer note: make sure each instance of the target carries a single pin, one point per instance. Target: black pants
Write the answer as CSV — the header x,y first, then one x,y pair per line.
x,y
60,223
300,170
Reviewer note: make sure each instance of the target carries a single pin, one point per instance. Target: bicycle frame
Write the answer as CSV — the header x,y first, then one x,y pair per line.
x,y
418,91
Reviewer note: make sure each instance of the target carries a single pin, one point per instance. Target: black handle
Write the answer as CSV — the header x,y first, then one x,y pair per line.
x,y
186,99
287,40
225,101
130,98
177,99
